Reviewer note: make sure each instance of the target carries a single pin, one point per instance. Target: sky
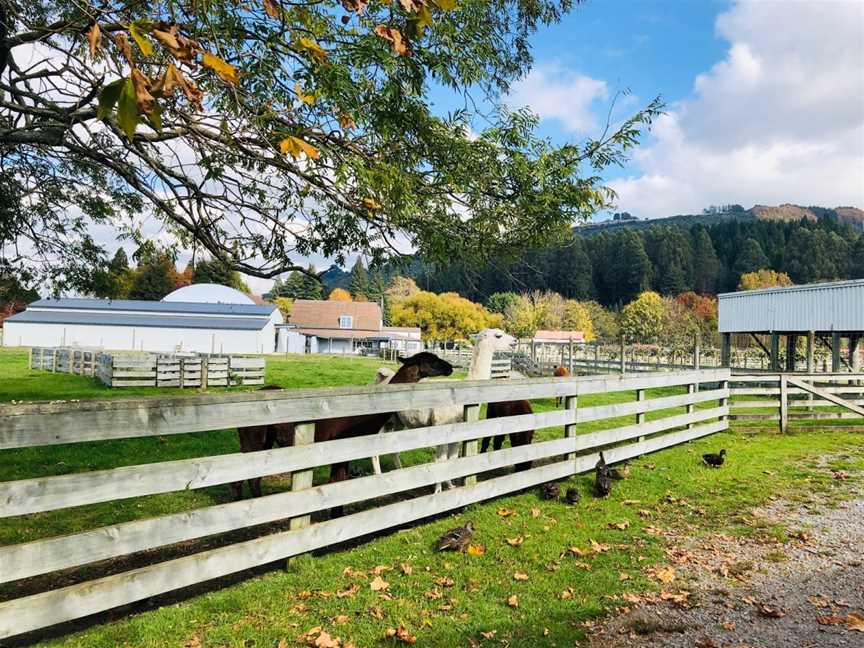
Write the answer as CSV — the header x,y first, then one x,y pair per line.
x,y
764,100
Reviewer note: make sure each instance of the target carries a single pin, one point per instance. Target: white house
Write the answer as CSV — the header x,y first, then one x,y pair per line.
x,y
206,318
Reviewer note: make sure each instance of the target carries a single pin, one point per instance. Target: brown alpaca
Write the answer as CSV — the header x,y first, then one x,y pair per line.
x,y
264,437
509,408
560,372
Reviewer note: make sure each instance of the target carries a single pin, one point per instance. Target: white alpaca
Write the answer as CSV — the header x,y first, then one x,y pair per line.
x,y
487,342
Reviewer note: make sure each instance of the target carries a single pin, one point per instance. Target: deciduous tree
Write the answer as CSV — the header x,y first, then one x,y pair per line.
x,y
642,319
268,130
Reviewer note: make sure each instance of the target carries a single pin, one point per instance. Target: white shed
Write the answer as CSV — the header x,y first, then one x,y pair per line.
x,y
160,326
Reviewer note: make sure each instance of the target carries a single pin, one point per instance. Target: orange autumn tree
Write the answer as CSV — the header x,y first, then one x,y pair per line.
x,y
339,294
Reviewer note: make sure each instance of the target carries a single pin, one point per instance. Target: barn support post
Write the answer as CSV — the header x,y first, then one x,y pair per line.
x,y
784,404
835,352
304,435
791,341
854,355
811,348
471,414
726,350
570,359
775,352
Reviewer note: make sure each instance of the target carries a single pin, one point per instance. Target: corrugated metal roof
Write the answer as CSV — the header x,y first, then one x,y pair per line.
x,y
836,306
119,305
60,316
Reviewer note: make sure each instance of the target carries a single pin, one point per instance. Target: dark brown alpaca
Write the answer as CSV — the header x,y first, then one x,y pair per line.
x,y
509,408
265,437
560,372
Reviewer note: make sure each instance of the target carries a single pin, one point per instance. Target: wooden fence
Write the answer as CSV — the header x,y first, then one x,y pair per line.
x,y
791,397
698,403
64,360
132,369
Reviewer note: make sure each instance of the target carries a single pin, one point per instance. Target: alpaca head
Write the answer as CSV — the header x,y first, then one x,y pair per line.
x,y
495,338
427,365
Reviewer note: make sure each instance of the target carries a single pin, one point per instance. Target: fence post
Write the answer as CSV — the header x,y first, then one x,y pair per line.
x,y
726,350
691,389
572,367
54,360
571,403
471,414
640,417
30,358
724,402
623,358
784,404
697,353
304,434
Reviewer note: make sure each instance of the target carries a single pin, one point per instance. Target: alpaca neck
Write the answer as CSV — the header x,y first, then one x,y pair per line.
x,y
406,374
481,361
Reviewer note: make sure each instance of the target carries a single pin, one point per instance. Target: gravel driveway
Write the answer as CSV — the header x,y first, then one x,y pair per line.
x,y
735,592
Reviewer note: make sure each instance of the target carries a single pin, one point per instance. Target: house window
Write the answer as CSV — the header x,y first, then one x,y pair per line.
x,y
346,322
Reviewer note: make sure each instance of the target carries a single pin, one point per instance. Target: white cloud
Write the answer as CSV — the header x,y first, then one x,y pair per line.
x,y
779,119
554,92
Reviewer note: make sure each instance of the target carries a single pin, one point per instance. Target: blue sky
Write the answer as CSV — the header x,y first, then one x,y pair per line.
x,y
765,98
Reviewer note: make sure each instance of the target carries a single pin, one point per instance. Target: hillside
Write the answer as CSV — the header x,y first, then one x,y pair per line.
x,y
780,213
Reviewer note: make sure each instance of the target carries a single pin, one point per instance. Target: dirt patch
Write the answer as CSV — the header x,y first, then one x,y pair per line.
x,y
757,591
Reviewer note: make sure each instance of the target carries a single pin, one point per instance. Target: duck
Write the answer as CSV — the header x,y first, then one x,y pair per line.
x,y
621,472
572,496
715,460
602,484
601,466
550,491
456,539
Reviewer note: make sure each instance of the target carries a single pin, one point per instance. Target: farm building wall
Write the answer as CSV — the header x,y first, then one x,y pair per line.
x,y
147,338
826,307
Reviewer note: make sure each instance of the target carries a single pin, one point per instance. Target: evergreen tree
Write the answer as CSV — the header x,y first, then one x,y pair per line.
x,y
856,259
706,265
119,263
217,272
631,268
570,272
154,278
359,287
310,285
750,258
377,293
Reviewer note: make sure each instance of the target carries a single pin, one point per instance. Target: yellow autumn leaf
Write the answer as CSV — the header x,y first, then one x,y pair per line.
x,y
370,203
272,8
515,542
226,71
378,584
294,146
520,576
94,37
445,5
136,30
308,99
314,49
476,550
665,575
513,601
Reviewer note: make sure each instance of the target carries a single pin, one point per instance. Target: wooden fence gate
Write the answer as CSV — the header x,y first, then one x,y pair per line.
x,y
798,397
693,404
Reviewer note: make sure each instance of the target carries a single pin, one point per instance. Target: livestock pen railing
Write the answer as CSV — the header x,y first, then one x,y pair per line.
x,y
797,398
682,407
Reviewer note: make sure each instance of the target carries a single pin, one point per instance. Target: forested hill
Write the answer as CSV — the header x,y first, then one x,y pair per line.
x,y
707,253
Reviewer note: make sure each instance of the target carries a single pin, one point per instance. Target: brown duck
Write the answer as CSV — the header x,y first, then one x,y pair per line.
x,y
550,491
572,496
456,539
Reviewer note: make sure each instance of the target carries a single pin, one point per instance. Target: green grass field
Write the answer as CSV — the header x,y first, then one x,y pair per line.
x,y
445,600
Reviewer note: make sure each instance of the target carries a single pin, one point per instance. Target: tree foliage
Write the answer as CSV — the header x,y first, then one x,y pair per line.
x,y
442,317
642,320
763,279
339,294
218,272
264,131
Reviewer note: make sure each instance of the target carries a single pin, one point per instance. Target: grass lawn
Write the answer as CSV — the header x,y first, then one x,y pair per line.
x,y
446,599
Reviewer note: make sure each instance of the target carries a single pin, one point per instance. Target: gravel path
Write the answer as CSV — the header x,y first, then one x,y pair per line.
x,y
757,592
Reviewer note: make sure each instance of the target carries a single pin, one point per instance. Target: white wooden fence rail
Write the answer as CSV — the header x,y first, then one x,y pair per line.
x,y
797,397
34,425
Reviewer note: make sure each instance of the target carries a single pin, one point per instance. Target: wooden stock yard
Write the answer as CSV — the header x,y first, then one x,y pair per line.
x,y
41,424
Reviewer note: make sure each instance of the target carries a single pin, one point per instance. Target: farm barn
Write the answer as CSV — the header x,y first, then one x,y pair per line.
x,y
205,318
826,314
